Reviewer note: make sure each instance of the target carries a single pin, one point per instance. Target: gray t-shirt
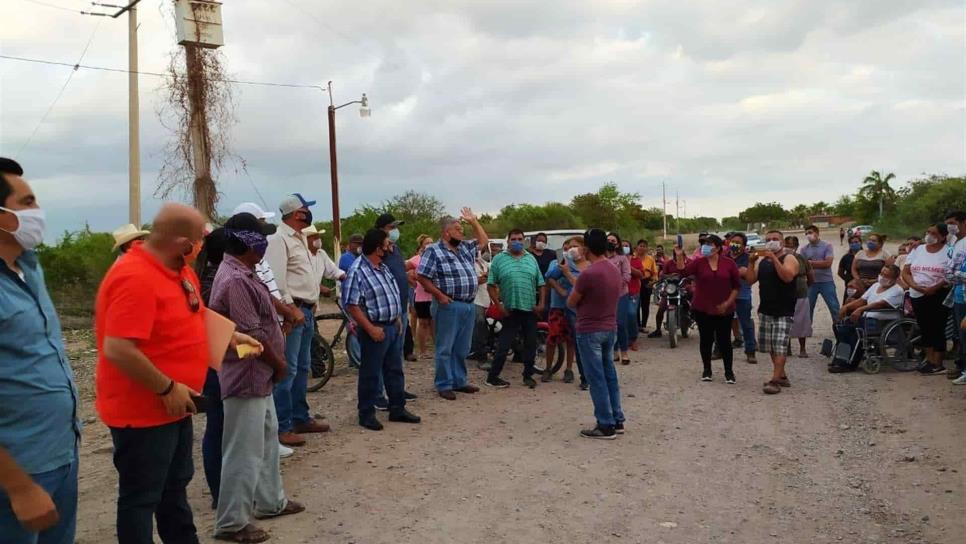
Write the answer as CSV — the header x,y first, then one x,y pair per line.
x,y
819,252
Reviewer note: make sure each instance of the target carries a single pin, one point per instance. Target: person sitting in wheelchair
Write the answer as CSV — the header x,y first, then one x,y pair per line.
x,y
865,313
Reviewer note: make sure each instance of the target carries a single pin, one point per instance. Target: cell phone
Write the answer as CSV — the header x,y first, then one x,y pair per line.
x,y
201,403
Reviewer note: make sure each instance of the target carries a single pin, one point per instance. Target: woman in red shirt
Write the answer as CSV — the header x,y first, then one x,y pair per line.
x,y
634,293
716,283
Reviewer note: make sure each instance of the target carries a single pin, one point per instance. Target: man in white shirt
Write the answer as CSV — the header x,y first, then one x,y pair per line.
x,y
325,268
884,295
290,259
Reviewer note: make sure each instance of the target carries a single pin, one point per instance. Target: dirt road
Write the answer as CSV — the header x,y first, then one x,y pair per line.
x,y
835,458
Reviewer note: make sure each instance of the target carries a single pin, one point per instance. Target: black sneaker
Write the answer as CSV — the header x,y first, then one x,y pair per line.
x,y
706,376
529,382
600,433
730,379
496,382
584,386
619,427
840,369
738,343
546,377
922,365
410,397
568,376
930,369
655,334
382,405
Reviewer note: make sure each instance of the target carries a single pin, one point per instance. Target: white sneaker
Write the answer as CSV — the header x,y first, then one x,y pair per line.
x,y
960,380
285,451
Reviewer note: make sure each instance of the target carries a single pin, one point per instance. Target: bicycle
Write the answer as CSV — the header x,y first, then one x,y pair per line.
x,y
323,356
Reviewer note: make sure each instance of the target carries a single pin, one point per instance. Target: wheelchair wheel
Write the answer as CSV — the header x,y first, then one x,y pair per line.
x,y
900,343
872,365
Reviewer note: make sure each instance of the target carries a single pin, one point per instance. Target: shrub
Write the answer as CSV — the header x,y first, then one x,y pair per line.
x,y
74,267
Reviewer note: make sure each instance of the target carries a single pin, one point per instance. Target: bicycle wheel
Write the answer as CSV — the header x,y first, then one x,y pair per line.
x,y
899,344
322,365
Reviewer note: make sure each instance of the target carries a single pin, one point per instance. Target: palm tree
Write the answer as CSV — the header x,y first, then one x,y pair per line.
x,y
875,187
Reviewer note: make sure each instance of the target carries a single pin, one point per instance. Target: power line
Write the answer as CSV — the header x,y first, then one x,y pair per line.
x,y
54,6
61,92
157,74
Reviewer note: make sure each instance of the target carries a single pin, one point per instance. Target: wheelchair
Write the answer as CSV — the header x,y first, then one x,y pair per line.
x,y
886,337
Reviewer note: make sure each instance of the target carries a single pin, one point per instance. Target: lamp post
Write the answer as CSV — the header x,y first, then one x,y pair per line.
x,y
364,111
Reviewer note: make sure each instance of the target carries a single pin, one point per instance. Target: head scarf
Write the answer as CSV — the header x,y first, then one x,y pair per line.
x,y
255,241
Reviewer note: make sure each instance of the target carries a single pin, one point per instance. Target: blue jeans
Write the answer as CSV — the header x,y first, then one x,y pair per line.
x,y
61,485
622,338
453,326
381,364
827,290
633,302
572,322
959,311
290,403
597,357
747,322
214,427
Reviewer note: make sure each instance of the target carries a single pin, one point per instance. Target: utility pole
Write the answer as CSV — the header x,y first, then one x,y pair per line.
x,y
334,173
133,107
664,205
134,120
677,212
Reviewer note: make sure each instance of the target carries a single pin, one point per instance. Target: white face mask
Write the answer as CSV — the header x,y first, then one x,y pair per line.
x,y
541,246
317,244
774,246
885,282
574,253
31,224
953,229
812,237
930,239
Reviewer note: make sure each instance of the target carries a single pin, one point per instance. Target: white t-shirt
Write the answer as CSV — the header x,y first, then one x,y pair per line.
x,y
482,296
927,268
892,295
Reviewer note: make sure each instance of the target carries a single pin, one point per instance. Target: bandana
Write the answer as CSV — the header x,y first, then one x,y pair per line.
x,y
255,241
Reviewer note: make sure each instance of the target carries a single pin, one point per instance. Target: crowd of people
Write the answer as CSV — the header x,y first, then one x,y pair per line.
x,y
159,360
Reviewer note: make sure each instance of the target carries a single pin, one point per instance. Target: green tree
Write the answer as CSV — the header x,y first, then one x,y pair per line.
x,y
876,188
763,213
608,208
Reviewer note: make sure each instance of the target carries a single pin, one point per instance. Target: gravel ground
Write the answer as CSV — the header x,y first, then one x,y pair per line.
x,y
835,458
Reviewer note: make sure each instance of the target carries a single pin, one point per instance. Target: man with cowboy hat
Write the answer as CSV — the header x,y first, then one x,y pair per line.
x,y
324,267
124,237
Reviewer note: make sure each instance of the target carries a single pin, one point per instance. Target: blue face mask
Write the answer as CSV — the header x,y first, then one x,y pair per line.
x,y
871,246
706,250
855,247
516,246
394,235
627,250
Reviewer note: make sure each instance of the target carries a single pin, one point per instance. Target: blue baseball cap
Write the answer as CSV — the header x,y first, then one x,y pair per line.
x,y
293,202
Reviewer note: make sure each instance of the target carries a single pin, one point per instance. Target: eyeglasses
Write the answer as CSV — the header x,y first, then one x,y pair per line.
x,y
191,294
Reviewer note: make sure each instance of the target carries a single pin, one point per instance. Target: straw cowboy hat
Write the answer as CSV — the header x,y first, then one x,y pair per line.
x,y
312,231
127,233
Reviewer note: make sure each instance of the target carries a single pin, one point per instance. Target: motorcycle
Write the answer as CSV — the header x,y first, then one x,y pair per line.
x,y
676,294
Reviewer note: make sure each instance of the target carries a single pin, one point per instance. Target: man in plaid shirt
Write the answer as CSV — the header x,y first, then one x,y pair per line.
x,y
371,297
447,271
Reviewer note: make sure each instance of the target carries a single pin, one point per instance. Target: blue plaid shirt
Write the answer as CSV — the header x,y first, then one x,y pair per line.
x,y
452,271
373,289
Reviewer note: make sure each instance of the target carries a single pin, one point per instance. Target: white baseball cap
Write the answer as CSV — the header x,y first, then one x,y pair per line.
x,y
254,209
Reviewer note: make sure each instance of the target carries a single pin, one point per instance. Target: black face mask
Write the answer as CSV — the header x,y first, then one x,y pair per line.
x,y
612,246
454,242
306,217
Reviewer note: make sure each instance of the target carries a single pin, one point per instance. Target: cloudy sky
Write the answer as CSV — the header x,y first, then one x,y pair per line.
x,y
487,103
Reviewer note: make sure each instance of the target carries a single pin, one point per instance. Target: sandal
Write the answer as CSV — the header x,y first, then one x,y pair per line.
x,y
249,535
784,382
291,508
625,361
772,388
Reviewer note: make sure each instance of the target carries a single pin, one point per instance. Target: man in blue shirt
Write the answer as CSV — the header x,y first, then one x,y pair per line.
x,y
39,429
372,299
351,254
396,262
447,271
820,255
739,252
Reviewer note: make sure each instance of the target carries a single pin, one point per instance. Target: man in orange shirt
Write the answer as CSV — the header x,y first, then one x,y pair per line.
x,y
152,358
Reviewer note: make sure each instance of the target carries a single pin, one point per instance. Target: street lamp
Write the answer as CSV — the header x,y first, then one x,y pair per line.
x,y
364,111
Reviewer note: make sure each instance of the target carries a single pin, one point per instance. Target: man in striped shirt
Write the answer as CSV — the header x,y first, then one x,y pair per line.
x,y
371,297
518,290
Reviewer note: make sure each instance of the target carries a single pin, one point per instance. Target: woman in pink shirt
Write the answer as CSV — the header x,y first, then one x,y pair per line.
x,y
423,301
716,284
